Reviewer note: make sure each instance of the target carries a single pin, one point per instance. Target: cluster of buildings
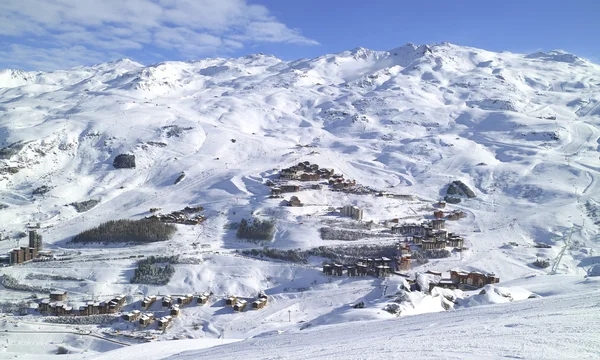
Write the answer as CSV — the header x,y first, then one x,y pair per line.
x,y
462,280
239,304
28,253
187,216
379,267
56,305
429,235
305,171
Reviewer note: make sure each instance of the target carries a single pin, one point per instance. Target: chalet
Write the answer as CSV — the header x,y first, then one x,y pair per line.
x,y
310,177
441,204
472,279
417,239
313,167
167,301
184,300
438,214
132,316
203,299
164,322
146,319
240,305
275,191
58,296
316,187
230,301
259,304
289,188
148,301
174,310
294,202
456,215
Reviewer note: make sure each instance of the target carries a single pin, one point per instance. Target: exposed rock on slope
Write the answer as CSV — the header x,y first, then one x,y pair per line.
x,y
124,161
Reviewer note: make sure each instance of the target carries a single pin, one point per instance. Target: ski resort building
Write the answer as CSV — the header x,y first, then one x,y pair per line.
x,y
203,299
164,322
231,300
240,305
148,301
58,296
352,211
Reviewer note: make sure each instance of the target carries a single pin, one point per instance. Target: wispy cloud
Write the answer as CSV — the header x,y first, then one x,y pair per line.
x,y
49,34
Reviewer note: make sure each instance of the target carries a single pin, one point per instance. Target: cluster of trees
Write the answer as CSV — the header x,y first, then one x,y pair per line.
x,y
256,229
295,256
340,254
83,320
155,270
32,276
124,231
542,263
84,206
8,307
10,282
328,233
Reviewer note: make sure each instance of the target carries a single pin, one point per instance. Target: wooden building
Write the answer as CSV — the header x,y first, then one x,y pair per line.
x,y
289,188
260,303
240,305
438,214
174,310
164,322
167,301
310,177
231,300
203,298
58,296
146,319
148,301
184,300
132,316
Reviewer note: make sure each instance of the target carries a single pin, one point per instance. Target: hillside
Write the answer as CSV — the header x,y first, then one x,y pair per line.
x,y
522,132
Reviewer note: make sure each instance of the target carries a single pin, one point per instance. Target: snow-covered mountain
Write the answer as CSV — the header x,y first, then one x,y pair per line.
x,y
522,131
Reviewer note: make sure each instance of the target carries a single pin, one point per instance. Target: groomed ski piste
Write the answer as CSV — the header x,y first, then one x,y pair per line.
x,y
522,131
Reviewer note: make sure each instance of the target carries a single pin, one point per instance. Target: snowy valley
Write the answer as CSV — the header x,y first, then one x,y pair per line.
x,y
503,148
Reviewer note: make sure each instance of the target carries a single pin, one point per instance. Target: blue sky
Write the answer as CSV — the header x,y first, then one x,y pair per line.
x,y
53,34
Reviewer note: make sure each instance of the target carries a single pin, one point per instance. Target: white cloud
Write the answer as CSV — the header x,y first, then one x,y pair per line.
x,y
191,28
